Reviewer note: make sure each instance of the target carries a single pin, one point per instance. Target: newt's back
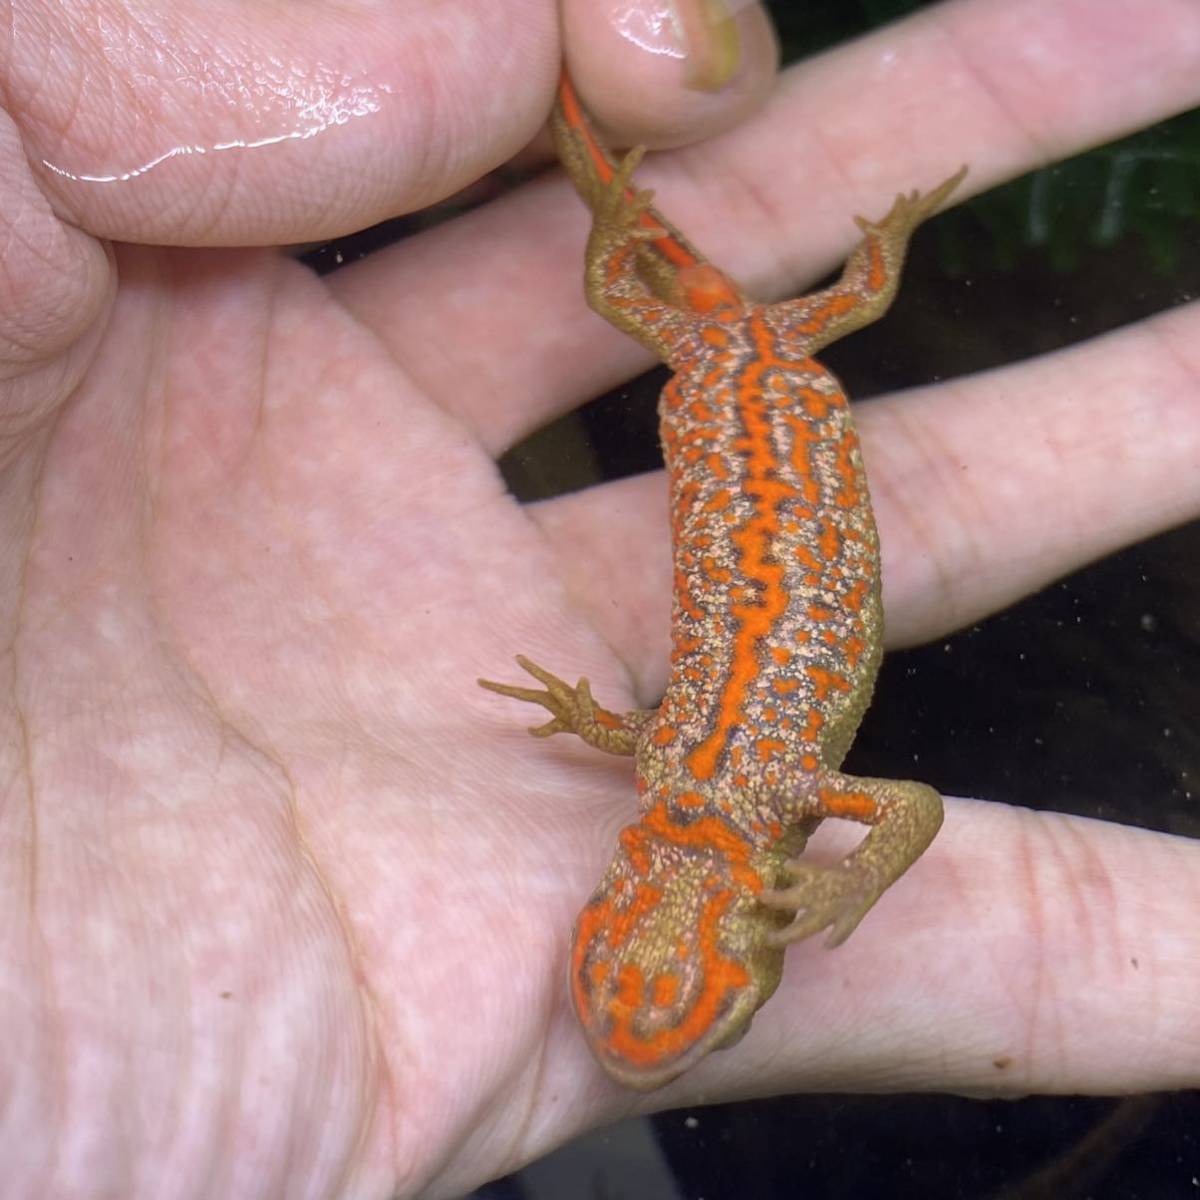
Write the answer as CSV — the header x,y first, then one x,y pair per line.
x,y
776,623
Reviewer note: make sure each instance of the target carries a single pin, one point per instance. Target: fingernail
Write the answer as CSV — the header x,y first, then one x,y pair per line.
x,y
712,47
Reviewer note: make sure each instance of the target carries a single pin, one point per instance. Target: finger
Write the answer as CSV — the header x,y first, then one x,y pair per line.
x,y
488,313
723,54
1025,952
984,489
990,487
614,548
185,124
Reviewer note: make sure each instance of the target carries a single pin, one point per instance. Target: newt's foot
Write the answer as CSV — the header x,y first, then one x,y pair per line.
x,y
572,709
909,210
836,898
621,215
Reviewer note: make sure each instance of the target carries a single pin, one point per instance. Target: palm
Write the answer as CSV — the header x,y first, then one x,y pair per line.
x,y
287,895
288,566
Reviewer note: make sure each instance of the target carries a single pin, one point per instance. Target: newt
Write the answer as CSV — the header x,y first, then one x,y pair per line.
x,y
776,635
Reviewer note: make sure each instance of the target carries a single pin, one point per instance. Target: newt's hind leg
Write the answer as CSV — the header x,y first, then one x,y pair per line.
x,y
615,281
574,711
868,283
592,167
904,817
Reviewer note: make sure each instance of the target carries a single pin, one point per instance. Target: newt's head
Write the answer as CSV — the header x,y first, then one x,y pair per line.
x,y
670,958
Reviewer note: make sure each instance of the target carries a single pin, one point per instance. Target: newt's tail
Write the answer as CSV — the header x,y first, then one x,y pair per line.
x,y
591,168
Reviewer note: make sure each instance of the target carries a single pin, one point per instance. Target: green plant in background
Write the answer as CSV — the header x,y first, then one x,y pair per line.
x,y
1146,186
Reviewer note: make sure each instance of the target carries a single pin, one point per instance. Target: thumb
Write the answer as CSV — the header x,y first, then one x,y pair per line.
x,y
191,123
56,287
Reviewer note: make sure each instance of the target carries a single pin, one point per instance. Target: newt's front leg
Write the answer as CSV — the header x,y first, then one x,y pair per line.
x,y
572,710
904,818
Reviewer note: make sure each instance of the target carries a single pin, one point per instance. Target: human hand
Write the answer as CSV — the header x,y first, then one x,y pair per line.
x,y
287,896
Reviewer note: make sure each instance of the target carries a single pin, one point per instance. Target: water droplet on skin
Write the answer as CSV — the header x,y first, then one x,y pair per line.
x,y
315,109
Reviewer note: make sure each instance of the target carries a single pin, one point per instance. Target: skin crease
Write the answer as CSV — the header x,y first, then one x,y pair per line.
x,y
286,897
